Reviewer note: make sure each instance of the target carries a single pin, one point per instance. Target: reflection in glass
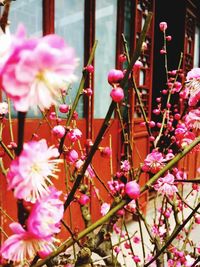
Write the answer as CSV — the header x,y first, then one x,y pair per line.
x,y
106,13
69,23
28,12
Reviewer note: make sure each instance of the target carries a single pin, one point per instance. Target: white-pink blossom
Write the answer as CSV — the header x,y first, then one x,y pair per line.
x,y
23,245
105,207
30,174
192,119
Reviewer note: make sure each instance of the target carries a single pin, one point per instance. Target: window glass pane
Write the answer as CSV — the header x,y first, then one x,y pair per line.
x,y
69,23
197,47
29,13
106,15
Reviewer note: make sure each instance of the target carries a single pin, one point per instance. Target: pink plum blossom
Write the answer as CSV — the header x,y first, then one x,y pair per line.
x,y
192,87
74,135
36,70
153,162
29,174
46,214
192,119
165,185
105,207
89,172
125,166
183,136
116,187
23,245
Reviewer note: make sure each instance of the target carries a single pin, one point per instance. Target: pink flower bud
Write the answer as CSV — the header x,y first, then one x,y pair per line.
x,y
84,199
117,94
156,111
89,68
162,52
197,219
88,91
71,156
152,124
106,152
138,64
151,138
136,259
168,38
63,108
122,58
163,26
58,131
115,76
177,116
132,189
117,250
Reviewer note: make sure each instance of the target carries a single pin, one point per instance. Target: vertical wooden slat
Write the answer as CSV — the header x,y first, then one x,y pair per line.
x,y
89,38
48,16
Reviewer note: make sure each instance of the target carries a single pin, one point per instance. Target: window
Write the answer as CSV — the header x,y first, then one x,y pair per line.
x,y
106,25
69,23
197,47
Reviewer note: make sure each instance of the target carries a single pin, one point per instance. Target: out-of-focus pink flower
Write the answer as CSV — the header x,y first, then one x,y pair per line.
x,y
136,259
153,162
46,214
189,261
192,87
58,131
23,245
136,239
132,189
3,108
74,135
125,166
105,207
192,119
165,185
29,174
37,70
